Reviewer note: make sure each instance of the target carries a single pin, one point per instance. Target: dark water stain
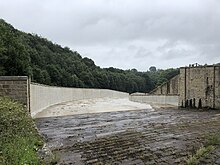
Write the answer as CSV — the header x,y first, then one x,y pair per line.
x,y
128,137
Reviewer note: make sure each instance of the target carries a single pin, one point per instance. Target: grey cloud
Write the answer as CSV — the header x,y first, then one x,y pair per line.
x,y
143,53
141,32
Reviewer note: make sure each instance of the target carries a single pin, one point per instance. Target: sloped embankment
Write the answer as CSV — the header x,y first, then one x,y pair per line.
x,y
19,139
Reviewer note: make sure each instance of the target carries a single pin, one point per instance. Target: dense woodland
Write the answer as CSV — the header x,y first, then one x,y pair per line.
x,y
48,63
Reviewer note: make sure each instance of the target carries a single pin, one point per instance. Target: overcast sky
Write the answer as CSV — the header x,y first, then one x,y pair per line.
x,y
125,33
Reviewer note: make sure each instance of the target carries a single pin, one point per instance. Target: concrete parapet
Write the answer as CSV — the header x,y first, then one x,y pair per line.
x,y
43,96
156,99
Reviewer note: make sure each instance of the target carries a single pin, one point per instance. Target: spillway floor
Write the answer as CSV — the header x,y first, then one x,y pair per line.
x,y
145,136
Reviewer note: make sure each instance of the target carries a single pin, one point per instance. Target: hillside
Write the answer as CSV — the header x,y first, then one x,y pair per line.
x,y
48,63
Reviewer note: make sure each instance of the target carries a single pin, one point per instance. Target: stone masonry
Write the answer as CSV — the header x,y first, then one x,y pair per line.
x,y
15,87
140,137
169,88
197,87
200,86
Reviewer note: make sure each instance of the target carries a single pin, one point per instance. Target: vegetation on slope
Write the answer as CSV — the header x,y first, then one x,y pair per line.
x,y
49,63
203,153
19,140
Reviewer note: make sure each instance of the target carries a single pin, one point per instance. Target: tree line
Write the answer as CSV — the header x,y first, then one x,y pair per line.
x,y
48,63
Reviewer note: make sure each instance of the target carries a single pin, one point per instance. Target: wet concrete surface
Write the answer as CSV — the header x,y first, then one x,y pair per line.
x,y
96,105
145,136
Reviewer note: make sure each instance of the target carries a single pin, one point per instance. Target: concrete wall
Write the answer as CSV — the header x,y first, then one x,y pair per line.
x,y
169,88
200,83
44,96
15,87
156,99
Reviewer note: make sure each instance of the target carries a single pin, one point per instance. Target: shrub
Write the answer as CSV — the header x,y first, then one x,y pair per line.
x,y
19,139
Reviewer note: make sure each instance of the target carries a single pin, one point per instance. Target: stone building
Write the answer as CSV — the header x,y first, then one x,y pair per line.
x,y
197,87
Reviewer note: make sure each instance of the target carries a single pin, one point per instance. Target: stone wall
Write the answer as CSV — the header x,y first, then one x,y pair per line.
x,y
200,86
169,88
15,87
196,86
217,87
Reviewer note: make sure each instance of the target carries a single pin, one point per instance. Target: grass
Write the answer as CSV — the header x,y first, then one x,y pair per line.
x,y
19,139
211,142
202,152
213,139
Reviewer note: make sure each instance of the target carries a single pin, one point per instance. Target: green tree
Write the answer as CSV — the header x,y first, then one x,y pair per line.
x,y
153,69
48,63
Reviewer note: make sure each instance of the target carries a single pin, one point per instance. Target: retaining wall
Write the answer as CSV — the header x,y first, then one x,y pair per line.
x,y
156,99
15,87
169,88
42,96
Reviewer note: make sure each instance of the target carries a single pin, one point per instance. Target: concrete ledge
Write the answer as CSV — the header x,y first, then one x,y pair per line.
x,y
13,78
156,99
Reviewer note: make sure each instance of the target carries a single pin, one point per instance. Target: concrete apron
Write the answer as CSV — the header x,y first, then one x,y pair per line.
x,y
91,106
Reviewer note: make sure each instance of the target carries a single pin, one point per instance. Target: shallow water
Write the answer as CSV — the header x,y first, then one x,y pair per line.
x,y
145,136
